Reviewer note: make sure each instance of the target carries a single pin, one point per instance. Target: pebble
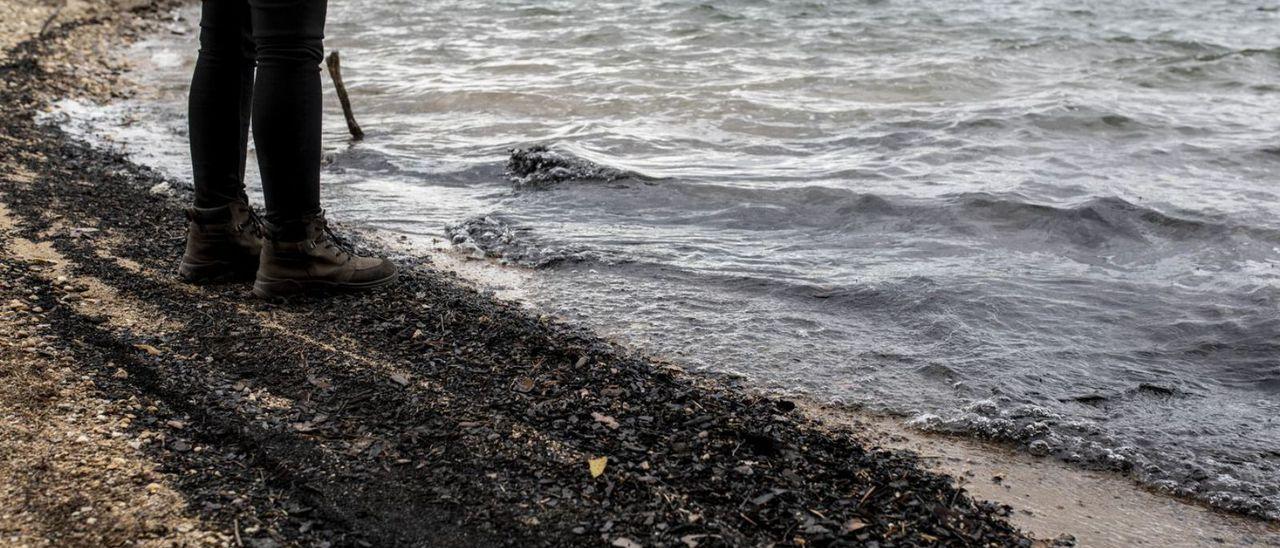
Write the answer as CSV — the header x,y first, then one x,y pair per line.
x,y
1039,448
162,189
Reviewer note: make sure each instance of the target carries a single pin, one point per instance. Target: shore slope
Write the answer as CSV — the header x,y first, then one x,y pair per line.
x,y
150,411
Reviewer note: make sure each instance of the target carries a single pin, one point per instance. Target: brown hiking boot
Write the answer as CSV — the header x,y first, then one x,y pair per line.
x,y
223,243
318,262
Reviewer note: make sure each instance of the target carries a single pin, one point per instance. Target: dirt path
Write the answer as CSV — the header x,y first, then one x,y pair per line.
x,y
141,410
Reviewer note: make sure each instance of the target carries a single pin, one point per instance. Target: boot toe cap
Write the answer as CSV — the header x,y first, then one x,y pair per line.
x,y
373,268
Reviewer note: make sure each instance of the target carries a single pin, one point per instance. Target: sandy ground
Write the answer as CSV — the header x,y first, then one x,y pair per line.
x,y
76,475
138,410
74,472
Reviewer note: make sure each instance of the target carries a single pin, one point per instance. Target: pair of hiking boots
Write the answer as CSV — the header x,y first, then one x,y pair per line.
x,y
231,243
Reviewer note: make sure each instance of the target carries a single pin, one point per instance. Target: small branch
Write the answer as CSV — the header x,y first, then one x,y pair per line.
x,y
335,72
56,12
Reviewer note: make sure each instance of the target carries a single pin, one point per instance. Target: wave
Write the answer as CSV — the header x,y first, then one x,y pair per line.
x,y
1173,44
1090,223
1010,219
1246,52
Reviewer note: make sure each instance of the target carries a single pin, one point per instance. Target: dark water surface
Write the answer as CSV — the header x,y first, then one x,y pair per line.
x,y
1050,224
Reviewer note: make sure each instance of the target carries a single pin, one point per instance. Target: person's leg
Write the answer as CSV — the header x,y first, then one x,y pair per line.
x,y
289,35
218,114
224,238
300,253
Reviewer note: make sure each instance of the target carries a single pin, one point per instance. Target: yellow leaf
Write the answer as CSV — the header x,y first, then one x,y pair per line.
x,y
148,349
597,465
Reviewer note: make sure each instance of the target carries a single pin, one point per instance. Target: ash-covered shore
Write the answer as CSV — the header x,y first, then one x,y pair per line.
x,y
427,414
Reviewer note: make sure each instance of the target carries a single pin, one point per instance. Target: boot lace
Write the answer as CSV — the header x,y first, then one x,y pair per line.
x,y
255,224
331,240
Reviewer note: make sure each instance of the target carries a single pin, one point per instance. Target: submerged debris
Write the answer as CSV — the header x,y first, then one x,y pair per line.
x,y
541,167
489,237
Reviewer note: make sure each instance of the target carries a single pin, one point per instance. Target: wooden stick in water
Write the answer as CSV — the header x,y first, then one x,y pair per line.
x,y
335,72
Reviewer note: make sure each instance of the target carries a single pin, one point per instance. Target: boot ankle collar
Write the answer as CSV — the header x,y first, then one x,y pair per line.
x,y
209,215
238,214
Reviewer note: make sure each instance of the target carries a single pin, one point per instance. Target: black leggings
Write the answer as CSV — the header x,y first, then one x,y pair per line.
x,y
284,39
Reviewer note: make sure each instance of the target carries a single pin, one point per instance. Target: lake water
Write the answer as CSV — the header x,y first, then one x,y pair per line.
x,y
1054,225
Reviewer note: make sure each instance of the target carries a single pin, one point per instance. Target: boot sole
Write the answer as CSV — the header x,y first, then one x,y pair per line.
x,y
276,288
216,272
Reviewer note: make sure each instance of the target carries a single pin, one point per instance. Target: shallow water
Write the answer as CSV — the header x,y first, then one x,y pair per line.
x,y
1019,220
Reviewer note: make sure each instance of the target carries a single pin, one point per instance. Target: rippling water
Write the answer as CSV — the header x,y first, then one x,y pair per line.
x,y
1053,225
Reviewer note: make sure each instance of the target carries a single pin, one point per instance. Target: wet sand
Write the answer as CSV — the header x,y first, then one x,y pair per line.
x,y
1050,499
